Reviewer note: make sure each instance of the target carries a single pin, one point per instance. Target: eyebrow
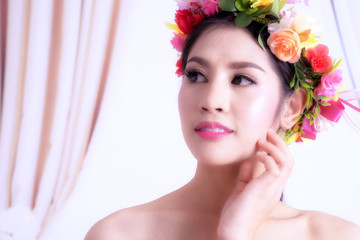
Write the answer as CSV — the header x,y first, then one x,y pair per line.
x,y
233,65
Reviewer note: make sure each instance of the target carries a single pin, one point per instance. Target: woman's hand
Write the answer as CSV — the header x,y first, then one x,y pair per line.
x,y
252,202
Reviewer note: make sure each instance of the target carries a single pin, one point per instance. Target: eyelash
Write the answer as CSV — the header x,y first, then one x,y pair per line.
x,y
247,78
190,74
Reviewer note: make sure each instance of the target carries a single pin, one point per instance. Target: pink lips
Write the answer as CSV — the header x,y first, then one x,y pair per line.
x,y
212,130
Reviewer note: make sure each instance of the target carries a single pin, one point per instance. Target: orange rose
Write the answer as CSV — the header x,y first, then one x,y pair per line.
x,y
285,45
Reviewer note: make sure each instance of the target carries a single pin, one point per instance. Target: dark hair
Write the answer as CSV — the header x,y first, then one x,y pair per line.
x,y
223,19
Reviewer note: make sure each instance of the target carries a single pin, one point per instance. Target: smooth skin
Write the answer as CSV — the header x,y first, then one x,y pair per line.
x,y
239,178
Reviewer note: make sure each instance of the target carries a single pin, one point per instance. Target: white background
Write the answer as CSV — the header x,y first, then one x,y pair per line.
x,y
138,154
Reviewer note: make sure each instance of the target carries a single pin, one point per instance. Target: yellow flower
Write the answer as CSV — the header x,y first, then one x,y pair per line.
x,y
304,36
173,27
261,3
310,42
290,139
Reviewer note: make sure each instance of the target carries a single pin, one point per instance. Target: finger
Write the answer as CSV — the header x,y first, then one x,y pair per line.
x,y
273,150
276,140
274,178
272,181
269,163
283,162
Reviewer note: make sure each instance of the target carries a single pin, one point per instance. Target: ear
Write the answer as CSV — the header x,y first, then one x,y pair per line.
x,y
293,107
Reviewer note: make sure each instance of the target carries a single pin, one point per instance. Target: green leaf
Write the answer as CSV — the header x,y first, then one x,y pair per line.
x,y
250,11
264,10
261,42
325,104
292,83
305,84
317,110
298,117
335,65
311,121
297,86
227,5
299,70
243,20
310,101
239,5
275,9
322,97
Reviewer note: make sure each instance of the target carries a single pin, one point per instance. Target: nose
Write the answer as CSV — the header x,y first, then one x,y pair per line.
x,y
216,98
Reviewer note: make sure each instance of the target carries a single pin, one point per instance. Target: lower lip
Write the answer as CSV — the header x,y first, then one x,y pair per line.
x,y
212,135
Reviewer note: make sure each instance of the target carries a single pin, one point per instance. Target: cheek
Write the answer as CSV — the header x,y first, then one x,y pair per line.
x,y
264,108
184,105
260,111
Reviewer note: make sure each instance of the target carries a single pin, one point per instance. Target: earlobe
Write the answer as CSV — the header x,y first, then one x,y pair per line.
x,y
293,107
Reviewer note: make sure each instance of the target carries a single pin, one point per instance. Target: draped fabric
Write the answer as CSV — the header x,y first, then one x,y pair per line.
x,y
345,13
54,61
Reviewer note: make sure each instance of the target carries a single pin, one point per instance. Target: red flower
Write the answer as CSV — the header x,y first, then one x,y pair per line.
x,y
186,20
179,70
319,59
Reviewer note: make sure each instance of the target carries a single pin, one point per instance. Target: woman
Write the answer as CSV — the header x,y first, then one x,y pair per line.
x,y
233,99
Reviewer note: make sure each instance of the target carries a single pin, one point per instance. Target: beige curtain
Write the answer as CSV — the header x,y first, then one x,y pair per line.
x,y
346,16
54,62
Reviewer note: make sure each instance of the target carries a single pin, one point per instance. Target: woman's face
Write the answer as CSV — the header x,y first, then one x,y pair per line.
x,y
229,96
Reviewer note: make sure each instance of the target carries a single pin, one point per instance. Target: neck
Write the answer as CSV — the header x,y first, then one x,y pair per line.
x,y
212,185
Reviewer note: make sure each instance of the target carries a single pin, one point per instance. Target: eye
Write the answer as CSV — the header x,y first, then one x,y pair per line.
x,y
242,80
195,76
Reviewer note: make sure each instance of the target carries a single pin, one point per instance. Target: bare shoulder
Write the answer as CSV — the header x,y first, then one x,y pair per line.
x,y
130,223
295,224
144,221
103,229
325,226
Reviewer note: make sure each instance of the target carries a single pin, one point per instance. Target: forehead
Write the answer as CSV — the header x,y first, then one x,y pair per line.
x,y
230,44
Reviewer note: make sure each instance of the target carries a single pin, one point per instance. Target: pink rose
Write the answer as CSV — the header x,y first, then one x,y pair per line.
x,y
326,92
333,80
178,42
210,7
329,84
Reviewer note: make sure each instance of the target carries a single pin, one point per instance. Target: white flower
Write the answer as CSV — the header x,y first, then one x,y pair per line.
x,y
302,23
287,18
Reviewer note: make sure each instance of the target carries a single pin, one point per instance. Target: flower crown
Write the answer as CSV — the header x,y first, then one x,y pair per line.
x,y
291,40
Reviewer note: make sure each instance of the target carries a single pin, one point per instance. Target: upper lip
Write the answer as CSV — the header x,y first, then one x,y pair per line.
x,y
212,125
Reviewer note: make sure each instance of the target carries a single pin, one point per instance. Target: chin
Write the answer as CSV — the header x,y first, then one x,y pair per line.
x,y
220,156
